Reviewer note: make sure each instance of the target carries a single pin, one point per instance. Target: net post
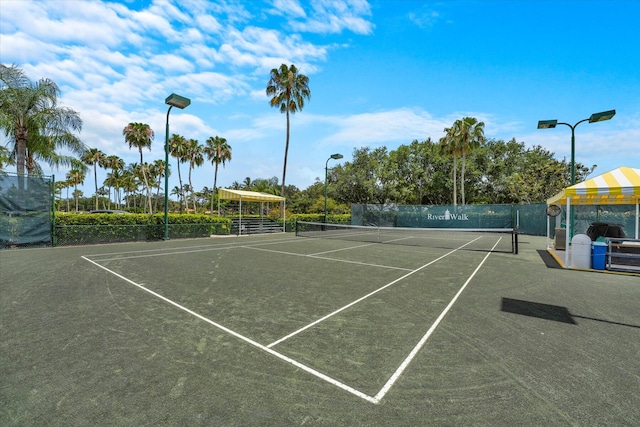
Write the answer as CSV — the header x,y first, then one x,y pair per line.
x,y
53,210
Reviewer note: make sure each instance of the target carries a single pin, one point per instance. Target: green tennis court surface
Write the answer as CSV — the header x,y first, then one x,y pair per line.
x,y
285,330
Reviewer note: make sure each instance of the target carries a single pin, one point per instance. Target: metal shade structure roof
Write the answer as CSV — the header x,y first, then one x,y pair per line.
x,y
247,196
617,187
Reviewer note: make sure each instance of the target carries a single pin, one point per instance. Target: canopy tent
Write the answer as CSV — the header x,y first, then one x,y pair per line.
x,y
617,187
248,196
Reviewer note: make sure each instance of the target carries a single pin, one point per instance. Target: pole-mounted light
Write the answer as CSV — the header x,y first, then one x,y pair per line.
x,y
181,102
595,117
550,124
336,156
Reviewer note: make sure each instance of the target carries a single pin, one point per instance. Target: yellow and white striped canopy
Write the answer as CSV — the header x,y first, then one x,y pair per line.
x,y
247,196
618,187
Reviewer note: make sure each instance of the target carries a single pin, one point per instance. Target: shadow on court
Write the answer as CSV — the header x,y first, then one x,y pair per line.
x,y
549,312
548,260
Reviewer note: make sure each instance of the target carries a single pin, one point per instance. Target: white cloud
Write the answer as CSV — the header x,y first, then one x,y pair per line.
x,y
289,8
334,16
172,64
381,128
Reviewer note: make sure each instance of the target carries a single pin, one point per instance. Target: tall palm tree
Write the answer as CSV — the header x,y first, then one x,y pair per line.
x,y
288,90
470,133
33,121
449,147
195,158
94,157
140,135
217,151
178,149
76,176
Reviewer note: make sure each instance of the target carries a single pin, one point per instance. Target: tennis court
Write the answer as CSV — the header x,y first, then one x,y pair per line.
x,y
286,330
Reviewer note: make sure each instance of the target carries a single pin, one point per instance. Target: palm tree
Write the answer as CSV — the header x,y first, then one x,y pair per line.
x,y
247,183
460,139
140,135
94,157
178,149
116,164
287,89
60,185
157,171
76,176
448,145
177,191
217,151
471,135
34,122
43,148
130,183
195,158
68,183
111,181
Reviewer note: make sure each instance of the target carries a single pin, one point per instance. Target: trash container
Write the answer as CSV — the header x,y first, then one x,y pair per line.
x,y
598,255
581,251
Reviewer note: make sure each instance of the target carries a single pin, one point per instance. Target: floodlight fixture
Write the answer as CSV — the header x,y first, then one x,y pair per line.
x,y
595,117
177,101
547,124
601,117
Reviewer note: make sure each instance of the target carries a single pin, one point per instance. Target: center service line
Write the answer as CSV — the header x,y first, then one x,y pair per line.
x,y
245,339
304,328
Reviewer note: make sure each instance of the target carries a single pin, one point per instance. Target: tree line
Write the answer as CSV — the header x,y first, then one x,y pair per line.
x,y
461,167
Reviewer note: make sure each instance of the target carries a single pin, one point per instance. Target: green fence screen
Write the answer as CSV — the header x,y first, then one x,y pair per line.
x,y
25,210
529,219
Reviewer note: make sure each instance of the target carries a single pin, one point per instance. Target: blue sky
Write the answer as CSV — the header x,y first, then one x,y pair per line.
x,y
381,73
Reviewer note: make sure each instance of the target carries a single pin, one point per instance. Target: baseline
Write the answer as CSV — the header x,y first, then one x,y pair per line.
x,y
394,377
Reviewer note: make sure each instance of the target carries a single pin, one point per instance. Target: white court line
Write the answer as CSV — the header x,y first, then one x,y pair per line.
x,y
245,339
378,397
343,249
178,251
396,375
330,259
304,328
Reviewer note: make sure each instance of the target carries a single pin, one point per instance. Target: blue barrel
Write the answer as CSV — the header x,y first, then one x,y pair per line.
x,y
598,255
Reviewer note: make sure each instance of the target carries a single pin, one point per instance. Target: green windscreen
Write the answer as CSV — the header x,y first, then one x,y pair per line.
x,y
25,210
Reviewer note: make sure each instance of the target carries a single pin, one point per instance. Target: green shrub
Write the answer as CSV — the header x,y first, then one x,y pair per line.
x,y
74,229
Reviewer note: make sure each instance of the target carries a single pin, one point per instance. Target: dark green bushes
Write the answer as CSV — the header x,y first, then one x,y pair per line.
x,y
79,229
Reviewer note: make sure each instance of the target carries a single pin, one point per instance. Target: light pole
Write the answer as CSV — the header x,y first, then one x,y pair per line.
x,y
181,102
336,156
595,117
550,124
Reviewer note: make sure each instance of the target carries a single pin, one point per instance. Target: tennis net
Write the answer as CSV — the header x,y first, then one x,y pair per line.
x,y
479,239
